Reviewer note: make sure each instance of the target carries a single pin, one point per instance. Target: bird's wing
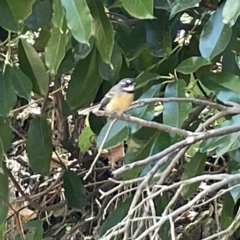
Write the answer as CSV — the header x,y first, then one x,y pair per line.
x,y
112,92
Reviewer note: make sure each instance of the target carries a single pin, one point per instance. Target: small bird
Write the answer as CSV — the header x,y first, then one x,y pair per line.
x,y
119,97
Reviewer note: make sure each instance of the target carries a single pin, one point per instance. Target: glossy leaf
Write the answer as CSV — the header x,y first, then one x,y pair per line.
x,y
142,9
33,229
32,65
39,145
85,79
237,59
13,13
146,112
231,12
175,113
191,65
43,38
82,50
4,197
178,6
225,143
115,216
108,73
55,49
21,83
194,168
41,14
1,156
144,78
79,19
67,63
162,141
2,227
85,139
162,4
8,97
118,133
74,190
158,38
229,56
225,86
133,41
5,133
58,14
139,147
102,30
214,36
227,214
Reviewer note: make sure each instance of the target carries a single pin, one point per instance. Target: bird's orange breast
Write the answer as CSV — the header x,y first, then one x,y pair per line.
x,y
120,102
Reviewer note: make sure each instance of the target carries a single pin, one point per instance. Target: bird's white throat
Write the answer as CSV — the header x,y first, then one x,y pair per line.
x,y
129,88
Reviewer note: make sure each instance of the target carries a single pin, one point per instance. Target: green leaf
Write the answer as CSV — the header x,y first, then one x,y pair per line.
x,y
142,9
229,55
132,41
8,97
227,215
115,216
58,15
225,86
79,19
231,12
13,13
38,230
161,142
4,197
237,59
214,36
146,112
158,36
44,36
162,4
108,73
225,143
41,14
82,50
32,65
102,30
39,145
139,147
178,6
33,230
175,113
144,78
1,156
2,228
191,65
85,79
194,168
67,64
85,139
74,190
5,133
21,83
118,133
55,49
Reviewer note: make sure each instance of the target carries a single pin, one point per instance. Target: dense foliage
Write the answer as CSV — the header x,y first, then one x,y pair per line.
x,y
179,178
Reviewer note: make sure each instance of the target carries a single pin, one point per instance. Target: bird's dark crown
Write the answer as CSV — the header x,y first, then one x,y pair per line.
x,y
127,85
